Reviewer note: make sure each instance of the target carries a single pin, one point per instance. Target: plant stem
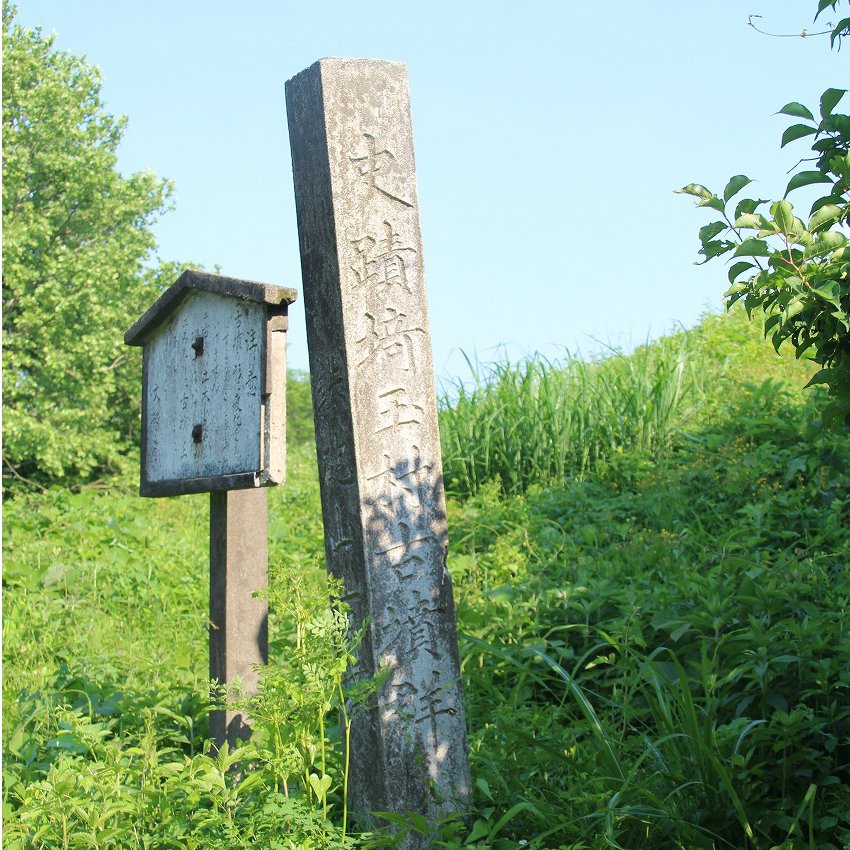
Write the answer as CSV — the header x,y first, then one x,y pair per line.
x,y
322,738
347,724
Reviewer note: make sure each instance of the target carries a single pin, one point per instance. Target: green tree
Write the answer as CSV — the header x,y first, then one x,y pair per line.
x,y
797,274
78,266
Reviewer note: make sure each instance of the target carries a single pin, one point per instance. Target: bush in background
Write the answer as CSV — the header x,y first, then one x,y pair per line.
x,y
77,254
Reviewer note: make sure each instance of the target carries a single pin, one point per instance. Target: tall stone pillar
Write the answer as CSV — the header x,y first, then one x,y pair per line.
x,y
376,426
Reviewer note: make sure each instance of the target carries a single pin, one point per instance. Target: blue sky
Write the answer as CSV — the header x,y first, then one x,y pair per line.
x,y
549,136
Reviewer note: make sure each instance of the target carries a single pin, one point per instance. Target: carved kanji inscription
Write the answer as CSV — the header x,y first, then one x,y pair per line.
x,y
396,408
390,335
384,262
379,169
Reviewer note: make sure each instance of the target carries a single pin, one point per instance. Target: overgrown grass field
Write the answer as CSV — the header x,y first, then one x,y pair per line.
x,y
650,557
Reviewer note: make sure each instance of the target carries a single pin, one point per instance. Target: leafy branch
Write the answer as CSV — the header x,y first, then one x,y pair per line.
x,y
835,31
839,30
797,274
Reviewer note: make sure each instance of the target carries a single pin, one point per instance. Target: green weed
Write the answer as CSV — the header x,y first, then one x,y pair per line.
x,y
660,659
540,422
654,646
87,769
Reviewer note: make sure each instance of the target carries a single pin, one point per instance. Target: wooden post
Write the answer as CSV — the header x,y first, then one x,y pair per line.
x,y
238,621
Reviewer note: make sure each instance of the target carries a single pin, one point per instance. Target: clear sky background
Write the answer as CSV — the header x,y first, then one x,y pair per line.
x,y
550,135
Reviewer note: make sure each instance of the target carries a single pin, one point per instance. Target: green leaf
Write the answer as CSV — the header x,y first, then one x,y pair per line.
x,y
479,829
840,27
835,413
714,249
709,231
753,248
748,205
419,823
695,189
827,143
806,178
829,240
829,100
739,268
827,213
783,214
395,818
801,235
752,220
797,110
320,786
735,185
797,131
714,202
215,779
771,322
825,4
508,815
824,376
482,783
829,291
821,202
794,308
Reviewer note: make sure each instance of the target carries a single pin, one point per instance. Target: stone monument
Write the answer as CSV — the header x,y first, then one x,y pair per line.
x,y
376,427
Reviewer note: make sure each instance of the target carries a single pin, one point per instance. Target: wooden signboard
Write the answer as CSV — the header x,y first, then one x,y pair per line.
x,y
213,385
214,420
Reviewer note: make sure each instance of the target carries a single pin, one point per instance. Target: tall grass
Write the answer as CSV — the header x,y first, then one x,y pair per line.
x,y
644,655
539,421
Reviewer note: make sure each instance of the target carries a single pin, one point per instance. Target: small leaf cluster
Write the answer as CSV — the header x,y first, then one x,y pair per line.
x,y
104,792
839,29
306,685
797,274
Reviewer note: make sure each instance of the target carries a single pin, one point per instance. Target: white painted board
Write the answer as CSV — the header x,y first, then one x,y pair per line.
x,y
221,390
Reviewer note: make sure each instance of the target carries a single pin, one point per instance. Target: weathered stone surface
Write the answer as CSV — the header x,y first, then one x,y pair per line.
x,y
238,621
376,425
195,280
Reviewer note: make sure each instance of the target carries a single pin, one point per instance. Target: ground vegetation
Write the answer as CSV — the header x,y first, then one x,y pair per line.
x,y
654,647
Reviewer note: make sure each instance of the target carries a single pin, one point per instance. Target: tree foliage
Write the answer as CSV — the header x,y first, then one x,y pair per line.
x,y
797,273
77,265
